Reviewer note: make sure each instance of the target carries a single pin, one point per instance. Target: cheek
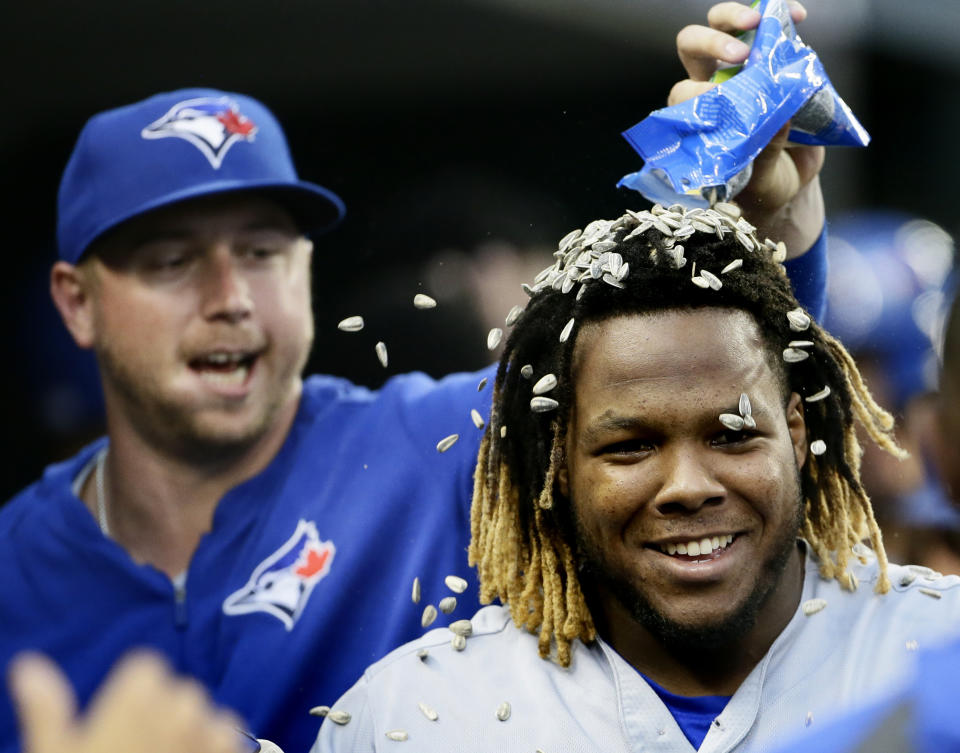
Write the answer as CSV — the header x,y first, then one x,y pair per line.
x,y
606,497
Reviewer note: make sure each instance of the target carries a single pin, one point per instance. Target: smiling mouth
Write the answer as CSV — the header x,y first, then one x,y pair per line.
x,y
697,550
224,369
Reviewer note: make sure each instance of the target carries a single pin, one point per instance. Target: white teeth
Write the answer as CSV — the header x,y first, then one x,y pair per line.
x,y
671,548
682,549
226,378
715,542
696,548
693,548
224,358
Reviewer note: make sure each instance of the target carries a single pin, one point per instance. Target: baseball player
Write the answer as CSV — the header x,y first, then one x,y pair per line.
x,y
668,507
261,531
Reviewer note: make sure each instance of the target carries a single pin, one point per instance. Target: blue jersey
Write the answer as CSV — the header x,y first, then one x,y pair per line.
x,y
304,579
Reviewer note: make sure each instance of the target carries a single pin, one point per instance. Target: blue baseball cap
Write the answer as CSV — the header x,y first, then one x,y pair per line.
x,y
176,146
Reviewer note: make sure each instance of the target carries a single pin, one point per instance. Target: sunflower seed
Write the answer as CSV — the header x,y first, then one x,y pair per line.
x,y
381,350
422,654
749,422
730,210
351,324
746,241
912,645
461,627
712,280
397,734
526,371
731,421
671,221
428,616
483,383
503,432
567,285
422,301
812,606
930,592
583,289
657,210
745,408
567,329
503,711
623,271
447,442
809,719
662,226
780,253
793,355
703,227
448,604
493,338
477,418
825,392
818,447
800,343
546,383
568,239
428,712
700,282
684,231
612,280
735,264
527,289
455,583
415,592
319,711
513,315
602,246
541,404
907,578
458,642
339,717
596,270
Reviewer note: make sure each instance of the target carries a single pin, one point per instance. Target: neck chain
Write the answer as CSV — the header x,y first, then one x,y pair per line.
x,y
101,495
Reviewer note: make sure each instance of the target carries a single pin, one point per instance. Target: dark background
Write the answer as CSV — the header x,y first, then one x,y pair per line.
x,y
444,126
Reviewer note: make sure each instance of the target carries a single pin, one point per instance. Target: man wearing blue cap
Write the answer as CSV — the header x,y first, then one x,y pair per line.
x,y
261,532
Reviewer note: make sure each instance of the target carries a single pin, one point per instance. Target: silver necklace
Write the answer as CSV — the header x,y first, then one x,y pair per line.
x,y
101,495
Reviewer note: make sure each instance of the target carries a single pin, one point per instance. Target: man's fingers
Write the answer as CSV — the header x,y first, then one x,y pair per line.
x,y
45,703
797,12
700,47
687,89
732,17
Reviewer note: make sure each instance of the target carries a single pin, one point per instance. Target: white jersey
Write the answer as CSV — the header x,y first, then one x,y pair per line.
x,y
498,694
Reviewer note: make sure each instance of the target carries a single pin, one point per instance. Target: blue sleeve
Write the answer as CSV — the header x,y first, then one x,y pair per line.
x,y
808,274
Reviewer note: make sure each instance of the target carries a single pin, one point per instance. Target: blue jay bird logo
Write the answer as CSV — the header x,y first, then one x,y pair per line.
x,y
282,583
212,124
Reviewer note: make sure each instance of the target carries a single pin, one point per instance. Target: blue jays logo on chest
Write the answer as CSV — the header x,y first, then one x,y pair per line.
x,y
282,583
212,124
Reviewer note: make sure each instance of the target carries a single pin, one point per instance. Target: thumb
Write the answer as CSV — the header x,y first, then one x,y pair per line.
x,y
45,702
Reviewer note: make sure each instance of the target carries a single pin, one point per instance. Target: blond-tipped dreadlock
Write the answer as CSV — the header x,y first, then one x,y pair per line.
x,y
521,531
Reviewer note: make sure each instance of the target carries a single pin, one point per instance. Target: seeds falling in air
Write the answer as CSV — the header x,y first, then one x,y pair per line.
x,y
812,606
493,338
429,615
428,712
339,717
546,383
825,392
809,719
503,711
448,604
795,355
397,734
540,404
319,711
477,418
447,442
513,315
351,324
526,371
415,592
458,642
912,646
503,432
731,421
455,583
800,343
381,349
567,329
483,383
818,447
422,301
461,627
735,264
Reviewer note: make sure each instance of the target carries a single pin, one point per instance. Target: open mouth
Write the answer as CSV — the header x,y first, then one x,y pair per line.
x,y
697,550
224,369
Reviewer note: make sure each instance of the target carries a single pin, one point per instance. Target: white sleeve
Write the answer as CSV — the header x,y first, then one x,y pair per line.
x,y
357,735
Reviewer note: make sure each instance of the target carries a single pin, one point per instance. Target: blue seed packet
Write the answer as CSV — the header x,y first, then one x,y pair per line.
x,y
702,150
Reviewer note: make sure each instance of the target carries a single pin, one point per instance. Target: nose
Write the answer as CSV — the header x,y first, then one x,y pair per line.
x,y
688,482
226,292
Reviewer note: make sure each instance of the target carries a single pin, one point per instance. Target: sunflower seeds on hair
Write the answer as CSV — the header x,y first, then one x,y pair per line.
x,y
339,717
397,734
746,241
483,383
526,371
735,264
503,432
455,583
544,384
567,329
503,711
381,350
712,280
428,616
415,591
730,210
602,246
780,252
931,592
700,282
513,315
493,338
319,711
612,280
568,239
623,271
662,226
818,447
799,320
581,291
794,355
458,642
825,392
428,712
448,604
447,442
422,301
812,606
800,344
477,418
540,404
351,324
731,421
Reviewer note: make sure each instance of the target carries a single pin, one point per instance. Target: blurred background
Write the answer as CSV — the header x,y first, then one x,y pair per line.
x,y
465,138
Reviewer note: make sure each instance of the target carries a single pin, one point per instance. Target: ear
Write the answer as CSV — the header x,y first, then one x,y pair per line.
x,y
797,426
70,289
563,480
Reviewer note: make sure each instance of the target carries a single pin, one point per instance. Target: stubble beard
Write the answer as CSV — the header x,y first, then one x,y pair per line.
x,y
686,641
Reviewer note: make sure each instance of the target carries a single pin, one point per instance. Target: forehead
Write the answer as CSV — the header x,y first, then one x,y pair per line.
x,y
663,357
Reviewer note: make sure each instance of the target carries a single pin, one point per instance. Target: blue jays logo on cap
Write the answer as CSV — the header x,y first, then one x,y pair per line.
x,y
282,583
212,124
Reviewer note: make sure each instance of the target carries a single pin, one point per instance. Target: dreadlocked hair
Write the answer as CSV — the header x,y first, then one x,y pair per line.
x,y
645,262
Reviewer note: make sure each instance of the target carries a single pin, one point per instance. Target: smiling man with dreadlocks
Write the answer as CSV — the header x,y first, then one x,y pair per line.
x,y
667,502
